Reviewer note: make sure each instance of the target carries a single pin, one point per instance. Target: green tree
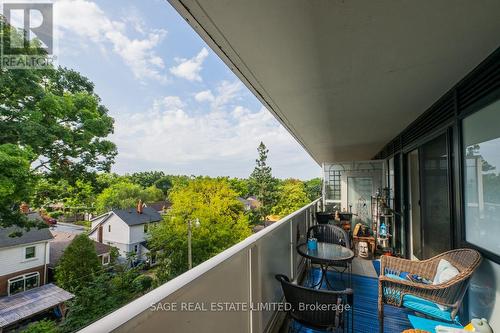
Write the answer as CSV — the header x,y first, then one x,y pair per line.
x,y
313,188
125,194
146,178
104,180
78,264
103,293
42,326
15,182
79,193
164,183
240,186
263,184
222,224
56,114
292,196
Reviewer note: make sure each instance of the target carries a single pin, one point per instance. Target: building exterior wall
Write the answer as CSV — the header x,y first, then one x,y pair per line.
x,y
4,278
12,259
137,234
119,234
471,96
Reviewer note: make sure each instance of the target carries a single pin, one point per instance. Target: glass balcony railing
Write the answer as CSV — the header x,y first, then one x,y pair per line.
x,y
235,291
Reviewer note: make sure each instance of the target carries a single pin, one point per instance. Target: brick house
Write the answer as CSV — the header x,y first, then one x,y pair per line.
x,y
23,259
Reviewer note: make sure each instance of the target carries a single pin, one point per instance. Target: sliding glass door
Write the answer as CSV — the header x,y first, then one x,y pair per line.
x,y
435,197
429,198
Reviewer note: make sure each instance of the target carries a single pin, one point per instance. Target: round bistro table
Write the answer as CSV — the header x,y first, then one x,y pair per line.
x,y
328,255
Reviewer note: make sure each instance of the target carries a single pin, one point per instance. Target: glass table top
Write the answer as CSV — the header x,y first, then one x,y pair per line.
x,y
326,252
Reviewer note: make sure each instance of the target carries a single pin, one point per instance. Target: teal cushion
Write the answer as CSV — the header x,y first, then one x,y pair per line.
x,y
396,277
391,293
427,307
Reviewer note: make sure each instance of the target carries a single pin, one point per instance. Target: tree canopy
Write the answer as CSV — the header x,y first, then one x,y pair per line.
x,y
57,122
78,264
15,182
263,184
126,194
292,196
222,224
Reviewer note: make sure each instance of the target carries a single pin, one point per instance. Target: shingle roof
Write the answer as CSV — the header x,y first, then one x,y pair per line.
x,y
132,217
62,240
32,236
159,205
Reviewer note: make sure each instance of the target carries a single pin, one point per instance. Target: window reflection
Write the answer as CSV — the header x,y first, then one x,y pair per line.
x,y
481,134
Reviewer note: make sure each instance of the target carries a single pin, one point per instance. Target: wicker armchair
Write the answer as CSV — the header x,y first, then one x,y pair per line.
x,y
448,294
319,309
329,234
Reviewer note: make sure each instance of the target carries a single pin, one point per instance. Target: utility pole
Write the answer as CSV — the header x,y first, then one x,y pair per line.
x,y
190,225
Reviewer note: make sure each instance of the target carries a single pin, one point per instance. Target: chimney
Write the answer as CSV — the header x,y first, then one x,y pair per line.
x,y
25,209
139,207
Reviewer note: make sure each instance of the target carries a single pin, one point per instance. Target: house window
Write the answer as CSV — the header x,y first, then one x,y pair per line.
x,y
109,227
105,259
136,248
146,227
16,285
24,282
29,252
32,280
481,165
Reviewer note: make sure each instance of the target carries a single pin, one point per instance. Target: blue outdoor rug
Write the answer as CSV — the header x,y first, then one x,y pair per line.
x,y
365,306
376,265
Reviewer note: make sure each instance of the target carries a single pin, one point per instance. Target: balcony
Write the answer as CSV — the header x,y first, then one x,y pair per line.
x,y
241,275
216,295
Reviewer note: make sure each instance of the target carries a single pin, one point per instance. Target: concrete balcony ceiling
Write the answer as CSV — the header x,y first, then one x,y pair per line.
x,y
345,77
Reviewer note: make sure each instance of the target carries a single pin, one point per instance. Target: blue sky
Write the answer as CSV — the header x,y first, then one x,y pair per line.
x,y
177,107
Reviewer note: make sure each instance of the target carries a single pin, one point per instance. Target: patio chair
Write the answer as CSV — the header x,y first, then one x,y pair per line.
x,y
441,301
324,217
319,309
329,234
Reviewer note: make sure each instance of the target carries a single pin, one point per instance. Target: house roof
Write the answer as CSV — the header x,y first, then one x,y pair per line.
x,y
62,240
34,216
132,217
32,236
29,303
159,205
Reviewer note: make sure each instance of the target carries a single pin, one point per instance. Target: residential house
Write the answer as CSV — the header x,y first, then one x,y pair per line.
x,y
125,229
246,204
23,259
62,240
161,207
253,202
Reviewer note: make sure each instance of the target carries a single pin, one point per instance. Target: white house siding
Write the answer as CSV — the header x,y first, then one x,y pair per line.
x,y
137,234
119,233
12,258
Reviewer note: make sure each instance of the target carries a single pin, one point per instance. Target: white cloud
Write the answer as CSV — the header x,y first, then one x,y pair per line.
x,y
86,20
190,69
204,96
225,92
218,142
168,103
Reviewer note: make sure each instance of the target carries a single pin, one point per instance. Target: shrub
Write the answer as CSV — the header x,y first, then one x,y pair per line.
x,y
142,283
43,326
